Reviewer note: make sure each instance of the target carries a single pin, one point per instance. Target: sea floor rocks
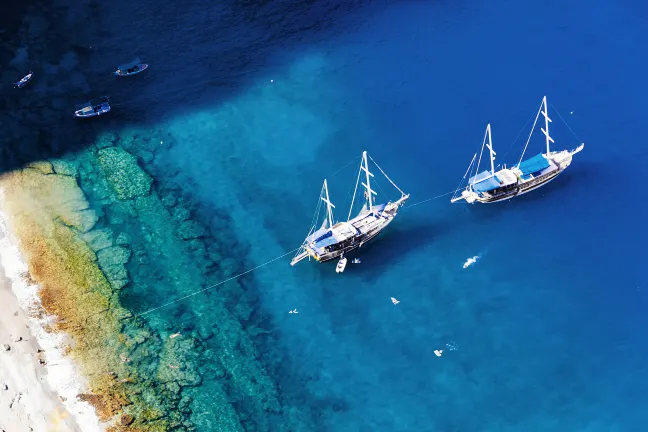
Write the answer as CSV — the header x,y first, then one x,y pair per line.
x,y
123,174
58,195
74,289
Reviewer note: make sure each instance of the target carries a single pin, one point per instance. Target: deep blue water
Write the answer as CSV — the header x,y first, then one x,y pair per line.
x,y
265,101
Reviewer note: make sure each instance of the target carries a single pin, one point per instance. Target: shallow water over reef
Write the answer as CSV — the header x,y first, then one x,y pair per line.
x,y
210,165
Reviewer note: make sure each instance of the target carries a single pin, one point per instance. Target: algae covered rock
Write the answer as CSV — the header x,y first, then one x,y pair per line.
x,y
123,174
99,239
54,194
43,166
114,255
63,167
111,261
190,229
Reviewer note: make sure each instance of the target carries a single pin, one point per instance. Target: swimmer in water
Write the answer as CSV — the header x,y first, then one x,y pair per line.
x,y
438,353
395,301
471,261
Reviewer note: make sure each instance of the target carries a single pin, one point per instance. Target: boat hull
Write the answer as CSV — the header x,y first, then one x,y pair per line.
x,y
142,68
354,244
92,114
522,188
23,82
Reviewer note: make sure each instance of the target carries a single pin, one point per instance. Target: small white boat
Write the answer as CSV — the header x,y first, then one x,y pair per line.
x,y
93,108
133,67
341,265
24,80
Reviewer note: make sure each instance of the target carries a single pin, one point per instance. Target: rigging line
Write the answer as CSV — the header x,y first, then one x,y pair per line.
x,y
386,176
212,286
530,134
430,199
338,171
354,194
465,174
565,122
518,136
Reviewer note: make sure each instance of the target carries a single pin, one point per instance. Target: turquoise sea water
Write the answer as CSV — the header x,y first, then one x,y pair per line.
x,y
264,101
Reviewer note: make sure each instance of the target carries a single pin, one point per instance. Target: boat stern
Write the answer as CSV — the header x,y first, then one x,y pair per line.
x,y
467,195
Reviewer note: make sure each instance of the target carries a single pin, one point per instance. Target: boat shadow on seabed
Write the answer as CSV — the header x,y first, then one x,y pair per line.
x,y
390,247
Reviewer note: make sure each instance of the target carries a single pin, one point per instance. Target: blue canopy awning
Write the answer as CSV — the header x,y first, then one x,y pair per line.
x,y
487,185
536,164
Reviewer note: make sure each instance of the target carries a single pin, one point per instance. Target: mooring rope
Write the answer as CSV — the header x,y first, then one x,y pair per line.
x,y
212,286
260,265
430,199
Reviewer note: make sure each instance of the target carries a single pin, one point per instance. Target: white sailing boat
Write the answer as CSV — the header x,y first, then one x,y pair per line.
x,y
493,186
333,239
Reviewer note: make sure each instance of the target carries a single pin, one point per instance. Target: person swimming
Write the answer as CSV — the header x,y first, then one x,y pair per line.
x,y
471,261
395,301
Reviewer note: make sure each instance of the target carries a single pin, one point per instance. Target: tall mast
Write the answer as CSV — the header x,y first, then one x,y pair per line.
x,y
545,130
364,165
490,147
329,205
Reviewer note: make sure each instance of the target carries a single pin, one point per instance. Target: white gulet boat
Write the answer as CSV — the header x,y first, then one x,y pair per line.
x,y
334,239
493,186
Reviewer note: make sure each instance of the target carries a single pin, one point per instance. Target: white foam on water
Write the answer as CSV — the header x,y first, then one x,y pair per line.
x,y
62,374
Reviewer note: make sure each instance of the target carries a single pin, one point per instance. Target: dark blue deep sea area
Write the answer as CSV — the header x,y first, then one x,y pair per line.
x,y
265,99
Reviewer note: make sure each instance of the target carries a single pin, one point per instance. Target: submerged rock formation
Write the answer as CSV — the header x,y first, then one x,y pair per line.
x,y
96,233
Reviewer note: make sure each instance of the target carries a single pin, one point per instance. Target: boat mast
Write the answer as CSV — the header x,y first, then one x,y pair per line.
x,y
364,165
545,130
490,147
481,152
329,205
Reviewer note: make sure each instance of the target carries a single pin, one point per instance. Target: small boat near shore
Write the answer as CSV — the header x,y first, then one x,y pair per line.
x,y
333,239
23,82
93,108
133,67
493,186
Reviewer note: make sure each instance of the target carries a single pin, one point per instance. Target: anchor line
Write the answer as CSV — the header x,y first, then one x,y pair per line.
x,y
257,267
430,199
212,286
249,271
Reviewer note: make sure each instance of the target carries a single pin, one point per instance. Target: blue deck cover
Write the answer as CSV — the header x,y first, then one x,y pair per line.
x,y
535,164
479,177
487,185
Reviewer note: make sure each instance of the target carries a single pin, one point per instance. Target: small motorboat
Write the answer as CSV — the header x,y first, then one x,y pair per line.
x,y
93,108
131,68
341,265
24,80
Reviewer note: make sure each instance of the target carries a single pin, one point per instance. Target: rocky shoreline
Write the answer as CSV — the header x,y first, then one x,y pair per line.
x,y
98,231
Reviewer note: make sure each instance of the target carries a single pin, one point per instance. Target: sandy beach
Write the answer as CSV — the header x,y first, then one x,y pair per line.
x,y
26,401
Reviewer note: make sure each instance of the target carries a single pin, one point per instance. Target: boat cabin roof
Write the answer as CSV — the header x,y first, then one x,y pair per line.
x,y
327,236
485,181
534,165
344,230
